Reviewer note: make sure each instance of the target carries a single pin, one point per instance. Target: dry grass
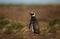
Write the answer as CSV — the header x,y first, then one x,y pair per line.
x,y
44,13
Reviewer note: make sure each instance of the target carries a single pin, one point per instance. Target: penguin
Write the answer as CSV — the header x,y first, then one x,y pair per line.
x,y
34,23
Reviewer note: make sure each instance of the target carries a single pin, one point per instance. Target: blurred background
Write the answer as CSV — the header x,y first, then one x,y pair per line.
x,y
14,16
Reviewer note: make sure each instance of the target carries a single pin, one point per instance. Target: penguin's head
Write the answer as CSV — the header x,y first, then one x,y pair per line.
x,y
32,14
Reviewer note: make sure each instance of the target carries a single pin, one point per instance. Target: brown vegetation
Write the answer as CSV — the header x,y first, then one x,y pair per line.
x,y
44,13
21,13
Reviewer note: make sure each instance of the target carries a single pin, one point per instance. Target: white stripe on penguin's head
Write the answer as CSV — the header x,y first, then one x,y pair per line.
x,y
32,13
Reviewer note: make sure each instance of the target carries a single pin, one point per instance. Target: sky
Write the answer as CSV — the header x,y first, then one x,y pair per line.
x,y
28,1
